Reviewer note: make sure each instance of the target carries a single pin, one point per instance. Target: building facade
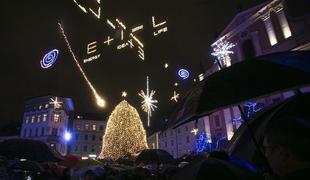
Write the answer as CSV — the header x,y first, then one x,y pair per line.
x,y
46,119
87,132
260,30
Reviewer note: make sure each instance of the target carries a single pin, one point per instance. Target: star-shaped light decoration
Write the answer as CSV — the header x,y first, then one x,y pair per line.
x,y
194,131
148,103
175,96
124,94
221,50
56,103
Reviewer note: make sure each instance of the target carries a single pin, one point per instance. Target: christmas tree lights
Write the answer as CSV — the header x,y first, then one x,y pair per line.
x,y
124,135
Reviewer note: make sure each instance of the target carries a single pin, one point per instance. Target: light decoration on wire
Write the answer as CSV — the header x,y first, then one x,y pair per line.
x,y
237,121
49,58
160,25
183,73
194,131
148,103
222,50
56,103
203,142
96,13
91,48
251,108
124,134
175,96
100,101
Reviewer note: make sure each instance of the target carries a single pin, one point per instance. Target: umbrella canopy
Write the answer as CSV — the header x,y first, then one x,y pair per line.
x,y
245,80
86,163
241,144
28,149
149,156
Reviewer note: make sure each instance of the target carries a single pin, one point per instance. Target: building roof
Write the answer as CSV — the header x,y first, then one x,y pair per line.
x,y
90,116
67,102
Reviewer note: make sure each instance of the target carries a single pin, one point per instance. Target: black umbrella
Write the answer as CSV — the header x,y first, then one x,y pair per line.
x,y
154,156
28,149
243,81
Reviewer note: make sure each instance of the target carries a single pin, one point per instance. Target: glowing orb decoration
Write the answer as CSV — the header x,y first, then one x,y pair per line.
x,y
183,73
166,65
49,59
124,94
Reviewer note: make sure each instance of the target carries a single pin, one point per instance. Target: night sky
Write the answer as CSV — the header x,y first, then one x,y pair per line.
x,y
29,30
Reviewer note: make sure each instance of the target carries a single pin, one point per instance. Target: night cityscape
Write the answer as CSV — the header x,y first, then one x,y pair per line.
x,y
197,89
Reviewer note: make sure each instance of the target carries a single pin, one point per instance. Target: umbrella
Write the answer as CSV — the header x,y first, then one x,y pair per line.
x,y
243,81
241,144
28,149
86,163
149,156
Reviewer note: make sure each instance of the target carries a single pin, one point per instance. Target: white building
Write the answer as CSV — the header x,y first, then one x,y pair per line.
x,y
87,131
46,119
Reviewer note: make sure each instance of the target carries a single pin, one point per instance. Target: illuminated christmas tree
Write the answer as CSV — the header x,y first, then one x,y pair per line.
x,y
124,135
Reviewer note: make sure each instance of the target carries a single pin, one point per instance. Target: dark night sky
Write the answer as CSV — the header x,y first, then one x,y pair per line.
x,y
29,30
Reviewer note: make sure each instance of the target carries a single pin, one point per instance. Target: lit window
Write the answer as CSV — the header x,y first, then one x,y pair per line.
x,y
27,120
94,127
46,105
86,126
38,118
56,118
32,119
44,117
40,107
78,126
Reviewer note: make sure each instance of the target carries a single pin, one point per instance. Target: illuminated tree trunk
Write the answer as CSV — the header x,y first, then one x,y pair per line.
x,y
124,135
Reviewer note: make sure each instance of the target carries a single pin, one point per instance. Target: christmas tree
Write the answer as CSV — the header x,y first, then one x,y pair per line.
x,y
124,135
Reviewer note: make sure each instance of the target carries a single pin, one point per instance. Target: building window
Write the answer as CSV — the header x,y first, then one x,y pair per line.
x,y
44,117
101,127
217,121
92,148
186,128
30,133
179,130
54,131
85,148
171,133
94,127
25,132
32,119
76,136
27,120
38,118
86,126
165,144
187,139
36,132
56,118
248,49
42,131
78,127
76,148
85,137
171,142
165,134
93,137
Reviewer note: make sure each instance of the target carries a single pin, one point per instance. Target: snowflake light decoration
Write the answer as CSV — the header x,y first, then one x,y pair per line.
x,y
148,103
56,103
175,96
222,50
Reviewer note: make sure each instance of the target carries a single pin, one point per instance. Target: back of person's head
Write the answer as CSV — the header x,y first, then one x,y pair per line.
x,y
290,128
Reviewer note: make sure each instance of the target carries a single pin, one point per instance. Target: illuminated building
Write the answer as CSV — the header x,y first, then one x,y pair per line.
x,y
87,130
266,28
46,121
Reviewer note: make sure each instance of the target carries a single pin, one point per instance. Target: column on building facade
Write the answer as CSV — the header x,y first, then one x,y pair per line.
x,y
228,123
269,29
283,22
206,122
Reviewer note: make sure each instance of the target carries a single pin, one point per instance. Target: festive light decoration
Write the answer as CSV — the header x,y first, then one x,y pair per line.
x,y
203,142
175,96
221,50
237,121
56,103
67,136
124,94
124,135
92,48
166,65
100,101
183,73
96,13
49,58
194,131
176,84
161,25
251,108
148,103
